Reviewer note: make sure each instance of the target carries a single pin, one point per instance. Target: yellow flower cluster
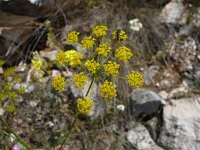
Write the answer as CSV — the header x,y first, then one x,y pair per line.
x,y
10,108
84,105
17,79
108,90
7,87
79,80
72,37
112,68
37,64
135,79
92,66
119,35
123,53
21,90
103,49
61,58
58,83
2,95
88,42
100,30
12,95
73,58
9,71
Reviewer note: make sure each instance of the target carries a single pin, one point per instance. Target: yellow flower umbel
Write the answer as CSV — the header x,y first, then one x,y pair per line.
x,y
79,80
108,90
58,82
87,42
119,35
61,58
112,68
72,37
73,57
92,66
12,95
84,105
103,49
100,30
135,79
9,71
2,95
21,90
37,64
10,108
123,53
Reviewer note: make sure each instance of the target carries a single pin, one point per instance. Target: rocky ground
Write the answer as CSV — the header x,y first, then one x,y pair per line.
x,y
162,115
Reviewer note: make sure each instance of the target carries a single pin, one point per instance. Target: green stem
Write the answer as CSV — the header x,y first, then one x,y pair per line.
x,y
105,60
93,78
75,118
19,139
71,127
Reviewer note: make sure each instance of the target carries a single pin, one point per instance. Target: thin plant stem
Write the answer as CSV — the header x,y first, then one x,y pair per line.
x,y
18,138
75,118
93,78
69,131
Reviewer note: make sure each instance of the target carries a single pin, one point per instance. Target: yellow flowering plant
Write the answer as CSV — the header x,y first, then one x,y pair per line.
x,y
99,60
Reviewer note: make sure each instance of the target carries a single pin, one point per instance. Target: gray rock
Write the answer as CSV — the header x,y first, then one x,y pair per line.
x,y
181,125
149,73
145,102
140,139
174,12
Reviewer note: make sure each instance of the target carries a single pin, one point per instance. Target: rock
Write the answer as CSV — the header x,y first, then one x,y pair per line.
x,y
51,55
28,87
140,139
174,12
149,73
145,103
178,92
163,94
196,18
181,125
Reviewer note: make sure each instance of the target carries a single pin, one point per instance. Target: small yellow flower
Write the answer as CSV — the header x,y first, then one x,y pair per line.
x,y
2,96
58,82
7,87
87,42
100,30
79,80
135,79
17,79
92,66
37,64
21,90
108,90
73,57
123,53
119,35
12,95
72,37
112,68
9,71
84,105
10,108
103,49
61,58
